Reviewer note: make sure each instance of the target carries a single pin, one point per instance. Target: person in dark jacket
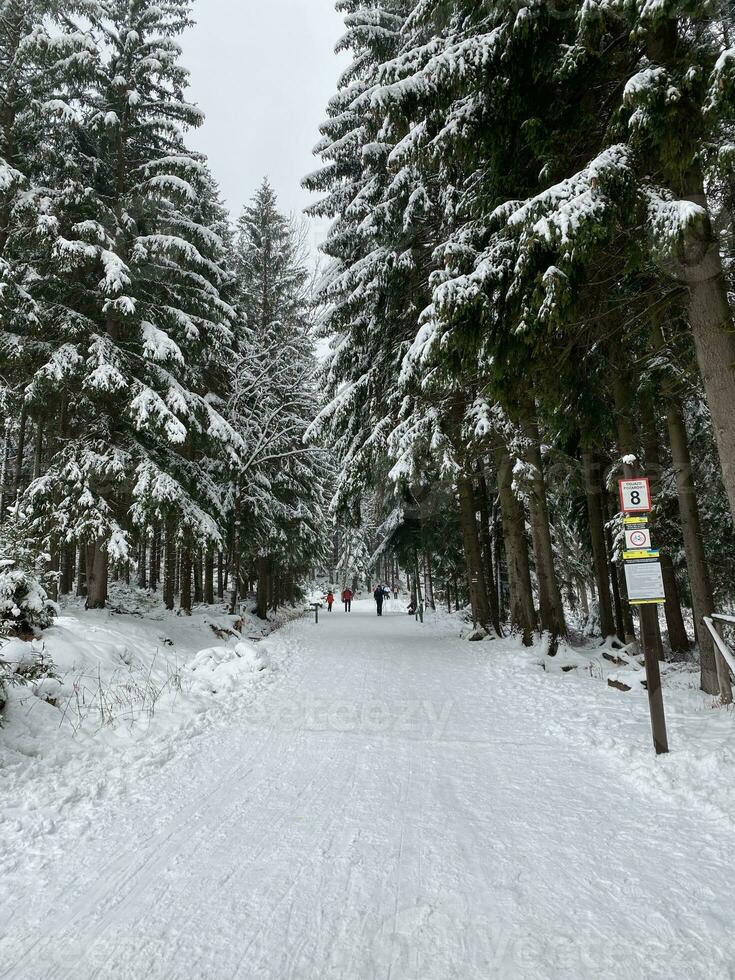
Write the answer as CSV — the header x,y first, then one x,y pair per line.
x,y
347,599
379,596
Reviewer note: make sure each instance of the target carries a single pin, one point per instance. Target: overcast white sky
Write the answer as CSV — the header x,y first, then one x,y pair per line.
x,y
262,71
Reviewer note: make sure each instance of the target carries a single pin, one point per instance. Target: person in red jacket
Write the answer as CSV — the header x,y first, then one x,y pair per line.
x,y
347,599
330,600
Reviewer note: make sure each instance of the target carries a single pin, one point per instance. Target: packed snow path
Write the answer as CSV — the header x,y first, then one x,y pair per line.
x,y
397,804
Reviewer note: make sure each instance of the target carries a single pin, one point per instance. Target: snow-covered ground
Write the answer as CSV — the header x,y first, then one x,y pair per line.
x,y
367,798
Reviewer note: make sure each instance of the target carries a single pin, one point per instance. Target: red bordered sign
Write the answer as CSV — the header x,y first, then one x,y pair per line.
x,y
635,496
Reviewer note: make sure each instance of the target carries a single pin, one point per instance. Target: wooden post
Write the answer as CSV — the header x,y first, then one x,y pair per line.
x,y
649,637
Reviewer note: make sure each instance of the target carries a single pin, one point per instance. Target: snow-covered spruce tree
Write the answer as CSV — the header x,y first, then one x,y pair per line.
x,y
143,321
278,484
368,279
43,62
678,104
354,564
25,606
380,244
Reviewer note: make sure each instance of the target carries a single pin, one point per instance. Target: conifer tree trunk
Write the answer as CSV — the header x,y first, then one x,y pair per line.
x,y
262,594
55,564
417,577
676,629
714,676
20,451
430,600
142,556
38,452
582,588
235,557
473,556
66,579
593,490
198,578
711,320
699,265
486,541
4,472
624,629
81,572
497,543
550,603
169,564
155,559
522,611
209,576
220,577
186,573
97,573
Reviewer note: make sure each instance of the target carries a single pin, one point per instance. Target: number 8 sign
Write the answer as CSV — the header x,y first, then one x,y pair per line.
x,y
635,496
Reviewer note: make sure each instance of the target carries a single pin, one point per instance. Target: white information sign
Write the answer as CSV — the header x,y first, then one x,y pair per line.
x,y
637,539
645,580
635,496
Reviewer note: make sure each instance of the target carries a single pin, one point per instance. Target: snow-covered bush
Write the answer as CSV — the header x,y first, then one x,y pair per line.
x,y
25,608
24,604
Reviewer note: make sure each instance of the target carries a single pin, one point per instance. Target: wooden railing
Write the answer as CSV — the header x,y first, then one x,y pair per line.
x,y
711,622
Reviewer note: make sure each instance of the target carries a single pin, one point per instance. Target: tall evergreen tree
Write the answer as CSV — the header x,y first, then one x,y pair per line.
x,y
141,274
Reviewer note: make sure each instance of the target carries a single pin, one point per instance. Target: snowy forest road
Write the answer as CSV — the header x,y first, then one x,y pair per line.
x,y
396,805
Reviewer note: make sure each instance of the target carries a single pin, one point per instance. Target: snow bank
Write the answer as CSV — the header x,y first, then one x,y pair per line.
x,y
595,696
224,669
108,695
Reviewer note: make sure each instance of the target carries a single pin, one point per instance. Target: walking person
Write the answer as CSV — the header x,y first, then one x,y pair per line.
x,y
330,600
379,596
347,599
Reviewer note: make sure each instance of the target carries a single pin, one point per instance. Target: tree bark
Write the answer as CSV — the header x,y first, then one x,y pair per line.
x,y
97,573
4,472
155,559
66,580
263,577
522,611
236,559
430,600
486,541
38,452
711,321
473,556
142,570
198,577
551,608
593,490
678,638
624,628
20,451
169,564
209,576
186,573
82,572
712,681
583,598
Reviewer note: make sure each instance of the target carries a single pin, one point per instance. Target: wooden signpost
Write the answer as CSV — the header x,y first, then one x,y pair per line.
x,y
645,589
